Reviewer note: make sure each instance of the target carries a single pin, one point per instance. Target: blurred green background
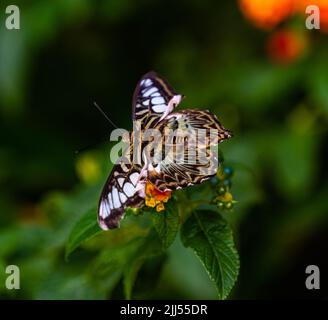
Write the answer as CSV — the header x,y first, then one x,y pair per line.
x,y
69,53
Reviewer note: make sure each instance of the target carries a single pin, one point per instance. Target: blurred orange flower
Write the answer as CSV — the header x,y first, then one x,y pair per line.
x,y
323,6
286,46
155,197
267,14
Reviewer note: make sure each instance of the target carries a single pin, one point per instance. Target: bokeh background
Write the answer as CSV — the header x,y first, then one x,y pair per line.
x,y
253,63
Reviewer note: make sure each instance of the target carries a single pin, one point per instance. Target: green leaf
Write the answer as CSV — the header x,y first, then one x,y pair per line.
x,y
208,234
167,225
86,228
148,247
130,275
126,259
317,80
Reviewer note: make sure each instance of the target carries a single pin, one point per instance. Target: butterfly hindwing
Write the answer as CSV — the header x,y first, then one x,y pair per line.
x,y
181,168
153,99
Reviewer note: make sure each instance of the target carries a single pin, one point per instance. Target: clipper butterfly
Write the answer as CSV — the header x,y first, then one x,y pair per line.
x,y
152,108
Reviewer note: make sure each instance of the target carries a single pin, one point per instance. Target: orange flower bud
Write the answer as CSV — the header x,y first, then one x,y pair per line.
x,y
267,14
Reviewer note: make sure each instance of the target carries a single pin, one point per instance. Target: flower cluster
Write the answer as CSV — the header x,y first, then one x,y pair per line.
x,y
224,198
291,42
156,198
270,13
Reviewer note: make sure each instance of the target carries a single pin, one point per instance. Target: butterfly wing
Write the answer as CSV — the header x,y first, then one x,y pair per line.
x,y
153,100
180,168
120,191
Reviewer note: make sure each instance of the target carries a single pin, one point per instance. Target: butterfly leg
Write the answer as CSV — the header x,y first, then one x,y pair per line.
x,y
141,183
140,189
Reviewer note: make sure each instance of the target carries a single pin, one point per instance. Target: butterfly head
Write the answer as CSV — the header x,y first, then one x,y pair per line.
x,y
176,99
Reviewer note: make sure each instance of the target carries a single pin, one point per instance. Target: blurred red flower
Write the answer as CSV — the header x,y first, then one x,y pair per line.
x,y
286,46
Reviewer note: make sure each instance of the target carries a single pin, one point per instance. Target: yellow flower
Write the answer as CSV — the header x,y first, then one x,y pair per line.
x,y
155,197
160,207
150,202
226,197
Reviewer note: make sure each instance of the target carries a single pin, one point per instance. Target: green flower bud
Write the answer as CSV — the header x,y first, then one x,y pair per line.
x,y
228,172
227,183
221,190
220,205
214,180
228,205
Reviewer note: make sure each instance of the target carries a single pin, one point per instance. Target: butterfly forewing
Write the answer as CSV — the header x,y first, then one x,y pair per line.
x,y
119,192
153,99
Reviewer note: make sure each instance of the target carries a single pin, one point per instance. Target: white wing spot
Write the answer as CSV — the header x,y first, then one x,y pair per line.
x,y
116,199
149,92
110,201
120,182
103,209
157,100
123,197
146,103
128,189
160,108
134,178
148,83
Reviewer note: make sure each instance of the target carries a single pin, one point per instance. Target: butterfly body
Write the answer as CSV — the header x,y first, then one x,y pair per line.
x,y
161,150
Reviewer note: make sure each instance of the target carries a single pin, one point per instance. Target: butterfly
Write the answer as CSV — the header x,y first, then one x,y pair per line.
x,y
153,104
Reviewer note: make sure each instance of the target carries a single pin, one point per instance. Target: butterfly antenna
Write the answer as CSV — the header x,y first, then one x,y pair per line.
x,y
95,144
104,114
107,118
